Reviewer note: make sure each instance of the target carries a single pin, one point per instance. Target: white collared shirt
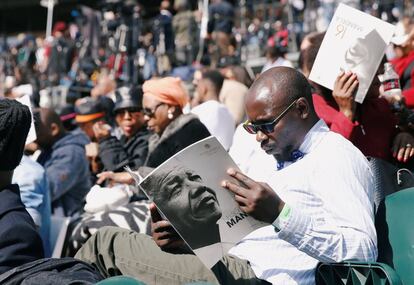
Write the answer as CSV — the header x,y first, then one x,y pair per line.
x,y
218,121
330,192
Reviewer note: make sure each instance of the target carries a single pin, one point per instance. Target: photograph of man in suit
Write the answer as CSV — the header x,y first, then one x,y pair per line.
x,y
192,207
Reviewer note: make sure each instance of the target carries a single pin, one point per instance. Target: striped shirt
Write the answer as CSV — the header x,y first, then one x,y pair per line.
x,y
330,192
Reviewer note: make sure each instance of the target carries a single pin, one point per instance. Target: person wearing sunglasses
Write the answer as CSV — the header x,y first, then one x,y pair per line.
x,y
319,207
132,147
172,130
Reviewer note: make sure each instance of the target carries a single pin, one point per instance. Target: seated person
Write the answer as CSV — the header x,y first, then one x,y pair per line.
x,y
19,241
370,126
88,112
163,102
172,131
213,114
63,157
275,56
403,43
303,200
34,191
132,148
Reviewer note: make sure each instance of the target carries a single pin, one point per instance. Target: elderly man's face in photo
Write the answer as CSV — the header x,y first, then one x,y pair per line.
x,y
187,198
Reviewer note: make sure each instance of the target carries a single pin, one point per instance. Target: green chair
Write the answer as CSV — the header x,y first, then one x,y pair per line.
x,y
394,222
120,280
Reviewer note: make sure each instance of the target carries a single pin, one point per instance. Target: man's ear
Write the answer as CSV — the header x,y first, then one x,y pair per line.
x,y
303,108
54,129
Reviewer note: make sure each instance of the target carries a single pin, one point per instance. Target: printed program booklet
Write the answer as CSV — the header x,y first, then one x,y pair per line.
x,y
187,191
354,41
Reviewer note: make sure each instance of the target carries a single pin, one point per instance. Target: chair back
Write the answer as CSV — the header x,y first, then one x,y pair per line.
x,y
120,280
388,178
395,230
58,230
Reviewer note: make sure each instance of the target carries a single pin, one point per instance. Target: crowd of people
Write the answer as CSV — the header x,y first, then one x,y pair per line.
x,y
301,150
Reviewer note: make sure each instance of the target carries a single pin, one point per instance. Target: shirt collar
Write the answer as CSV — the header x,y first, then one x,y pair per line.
x,y
314,136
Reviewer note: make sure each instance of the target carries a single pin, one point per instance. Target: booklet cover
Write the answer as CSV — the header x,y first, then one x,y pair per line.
x,y
354,41
186,190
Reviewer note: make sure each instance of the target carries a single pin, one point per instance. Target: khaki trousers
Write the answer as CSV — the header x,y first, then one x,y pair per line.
x,y
116,251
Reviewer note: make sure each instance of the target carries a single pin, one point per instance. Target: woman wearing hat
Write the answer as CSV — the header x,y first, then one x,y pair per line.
x,y
172,130
132,147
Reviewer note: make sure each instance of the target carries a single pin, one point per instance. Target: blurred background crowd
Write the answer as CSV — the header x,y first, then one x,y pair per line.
x,y
131,41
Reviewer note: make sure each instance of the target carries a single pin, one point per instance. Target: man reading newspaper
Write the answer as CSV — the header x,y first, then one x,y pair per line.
x,y
318,200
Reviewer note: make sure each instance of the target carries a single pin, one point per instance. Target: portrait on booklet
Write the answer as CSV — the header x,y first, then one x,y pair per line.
x,y
187,191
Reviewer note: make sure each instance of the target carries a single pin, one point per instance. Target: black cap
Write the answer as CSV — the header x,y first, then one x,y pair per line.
x,y
86,107
128,97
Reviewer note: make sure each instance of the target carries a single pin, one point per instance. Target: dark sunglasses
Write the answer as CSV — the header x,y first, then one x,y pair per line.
x,y
130,110
267,128
151,112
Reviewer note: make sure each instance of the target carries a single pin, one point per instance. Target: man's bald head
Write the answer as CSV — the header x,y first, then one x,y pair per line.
x,y
281,99
280,85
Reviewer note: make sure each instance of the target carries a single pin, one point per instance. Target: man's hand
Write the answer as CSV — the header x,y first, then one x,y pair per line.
x,y
255,198
101,130
164,234
344,89
403,146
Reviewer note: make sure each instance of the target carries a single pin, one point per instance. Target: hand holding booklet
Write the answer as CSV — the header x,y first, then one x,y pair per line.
x,y
187,191
354,41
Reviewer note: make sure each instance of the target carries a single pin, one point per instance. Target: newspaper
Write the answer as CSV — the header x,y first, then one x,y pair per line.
x,y
187,191
354,41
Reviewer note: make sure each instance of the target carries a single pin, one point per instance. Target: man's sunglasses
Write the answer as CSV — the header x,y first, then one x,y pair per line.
x,y
267,128
150,112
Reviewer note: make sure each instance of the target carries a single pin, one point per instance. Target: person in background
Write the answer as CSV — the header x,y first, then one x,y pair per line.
x,y
20,243
172,130
220,25
214,115
280,37
185,31
275,57
231,95
237,73
370,126
403,43
63,156
88,112
132,148
34,191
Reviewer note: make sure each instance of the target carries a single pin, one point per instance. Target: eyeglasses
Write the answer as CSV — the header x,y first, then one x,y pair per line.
x,y
131,110
150,112
267,128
